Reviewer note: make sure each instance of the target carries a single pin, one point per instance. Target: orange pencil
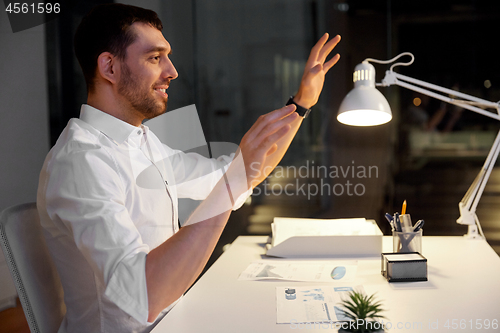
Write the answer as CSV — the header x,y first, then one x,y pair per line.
x,y
403,210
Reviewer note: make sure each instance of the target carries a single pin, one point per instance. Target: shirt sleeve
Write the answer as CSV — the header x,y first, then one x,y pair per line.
x,y
196,176
85,197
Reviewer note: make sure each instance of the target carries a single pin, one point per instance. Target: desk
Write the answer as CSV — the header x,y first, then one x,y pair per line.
x,y
464,283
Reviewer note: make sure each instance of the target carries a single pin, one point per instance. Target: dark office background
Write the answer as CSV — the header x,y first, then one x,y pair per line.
x,y
240,59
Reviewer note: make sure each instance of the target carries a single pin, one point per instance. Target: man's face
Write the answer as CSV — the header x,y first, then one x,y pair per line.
x,y
146,72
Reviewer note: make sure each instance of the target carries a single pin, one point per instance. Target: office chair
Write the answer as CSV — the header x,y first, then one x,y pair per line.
x,y
31,266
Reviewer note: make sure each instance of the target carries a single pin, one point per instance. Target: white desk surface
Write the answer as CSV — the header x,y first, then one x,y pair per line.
x,y
463,287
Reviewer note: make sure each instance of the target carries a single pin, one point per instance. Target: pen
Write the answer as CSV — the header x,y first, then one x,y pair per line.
x,y
397,222
403,210
389,218
418,225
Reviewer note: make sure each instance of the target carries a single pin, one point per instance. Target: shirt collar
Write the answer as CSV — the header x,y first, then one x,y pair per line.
x,y
117,130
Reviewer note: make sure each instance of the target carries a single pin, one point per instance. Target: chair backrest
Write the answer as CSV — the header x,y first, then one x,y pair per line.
x,y
34,273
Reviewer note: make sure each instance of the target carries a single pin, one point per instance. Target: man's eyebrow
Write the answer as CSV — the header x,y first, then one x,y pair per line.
x,y
159,49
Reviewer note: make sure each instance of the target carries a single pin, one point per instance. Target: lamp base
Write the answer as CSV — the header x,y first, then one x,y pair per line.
x,y
473,233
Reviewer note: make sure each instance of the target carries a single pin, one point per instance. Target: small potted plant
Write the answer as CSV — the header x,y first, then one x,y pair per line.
x,y
363,312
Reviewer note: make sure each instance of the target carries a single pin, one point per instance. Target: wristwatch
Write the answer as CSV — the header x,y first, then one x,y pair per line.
x,y
299,109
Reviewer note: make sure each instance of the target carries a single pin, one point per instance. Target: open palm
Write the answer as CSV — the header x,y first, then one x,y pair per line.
x,y
315,70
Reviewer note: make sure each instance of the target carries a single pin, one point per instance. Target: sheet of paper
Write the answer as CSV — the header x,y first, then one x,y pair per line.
x,y
313,271
311,304
284,228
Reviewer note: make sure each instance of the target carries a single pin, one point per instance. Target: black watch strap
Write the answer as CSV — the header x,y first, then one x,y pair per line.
x,y
299,109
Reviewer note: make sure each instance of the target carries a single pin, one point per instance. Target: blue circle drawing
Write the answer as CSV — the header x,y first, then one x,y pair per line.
x,y
338,272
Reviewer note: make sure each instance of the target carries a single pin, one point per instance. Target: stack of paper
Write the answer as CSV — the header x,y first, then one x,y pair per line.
x,y
293,237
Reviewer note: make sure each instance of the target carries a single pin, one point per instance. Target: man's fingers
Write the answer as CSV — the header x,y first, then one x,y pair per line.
x,y
315,51
319,45
325,50
331,63
265,120
270,128
282,112
272,149
260,152
320,51
267,143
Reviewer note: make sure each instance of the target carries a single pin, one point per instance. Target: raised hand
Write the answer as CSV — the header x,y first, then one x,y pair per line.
x,y
315,70
266,142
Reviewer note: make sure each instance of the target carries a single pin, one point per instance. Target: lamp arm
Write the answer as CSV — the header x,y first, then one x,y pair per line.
x,y
469,202
471,198
393,78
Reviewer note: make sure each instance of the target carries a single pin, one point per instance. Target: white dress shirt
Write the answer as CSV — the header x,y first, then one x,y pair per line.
x,y
107,196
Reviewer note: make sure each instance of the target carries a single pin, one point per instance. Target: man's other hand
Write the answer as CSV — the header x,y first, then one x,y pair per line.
x,y
261,141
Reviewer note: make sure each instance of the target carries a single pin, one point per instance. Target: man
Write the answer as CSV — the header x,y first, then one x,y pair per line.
x,y
114,237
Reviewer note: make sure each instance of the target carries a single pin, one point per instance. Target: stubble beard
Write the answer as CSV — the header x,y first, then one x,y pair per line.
x,y
141,98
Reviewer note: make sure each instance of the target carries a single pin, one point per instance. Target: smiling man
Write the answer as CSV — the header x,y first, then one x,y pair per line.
x,y
135,78
122,258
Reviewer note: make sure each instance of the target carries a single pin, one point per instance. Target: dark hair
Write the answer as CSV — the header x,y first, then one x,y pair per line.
x,y
106,28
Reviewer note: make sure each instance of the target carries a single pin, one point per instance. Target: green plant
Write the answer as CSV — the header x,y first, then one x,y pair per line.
x,y
362,308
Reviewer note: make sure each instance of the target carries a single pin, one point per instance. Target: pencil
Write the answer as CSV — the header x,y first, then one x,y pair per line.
x,y
403,210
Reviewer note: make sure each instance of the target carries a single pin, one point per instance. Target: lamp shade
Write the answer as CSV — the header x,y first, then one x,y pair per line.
x,y
364,105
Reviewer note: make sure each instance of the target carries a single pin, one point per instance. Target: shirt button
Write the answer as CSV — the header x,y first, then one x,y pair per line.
x,y
139,132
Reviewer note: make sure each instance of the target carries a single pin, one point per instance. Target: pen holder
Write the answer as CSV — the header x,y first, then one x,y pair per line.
x,y
405,242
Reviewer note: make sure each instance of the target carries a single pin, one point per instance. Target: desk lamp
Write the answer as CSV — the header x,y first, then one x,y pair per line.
x,y
366,106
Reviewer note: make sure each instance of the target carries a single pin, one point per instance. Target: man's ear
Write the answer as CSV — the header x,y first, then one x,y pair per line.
x,y
107,67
